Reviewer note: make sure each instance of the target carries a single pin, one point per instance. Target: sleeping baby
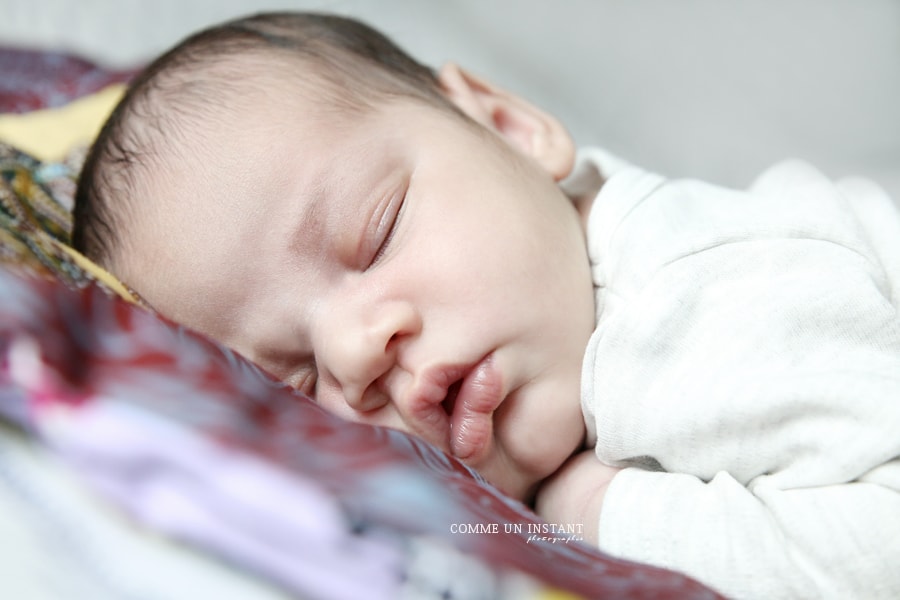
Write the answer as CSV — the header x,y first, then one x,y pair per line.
x,y
707,380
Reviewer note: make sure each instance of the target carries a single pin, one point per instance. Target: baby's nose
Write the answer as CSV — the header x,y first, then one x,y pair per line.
x,y
363,346
364,399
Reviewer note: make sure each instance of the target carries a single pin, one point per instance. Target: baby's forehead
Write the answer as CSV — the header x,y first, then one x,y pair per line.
x,y
247,125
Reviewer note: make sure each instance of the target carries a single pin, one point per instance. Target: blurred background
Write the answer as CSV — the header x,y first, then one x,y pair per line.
x,y
698,88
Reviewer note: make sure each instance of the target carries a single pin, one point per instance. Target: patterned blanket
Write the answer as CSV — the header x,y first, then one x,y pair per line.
x,y
30,80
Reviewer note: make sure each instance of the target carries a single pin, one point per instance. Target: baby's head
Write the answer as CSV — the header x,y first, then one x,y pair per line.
x,y
389,240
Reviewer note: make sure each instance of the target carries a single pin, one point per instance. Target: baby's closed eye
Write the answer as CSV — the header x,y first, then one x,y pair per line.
x,y
304,380
377,240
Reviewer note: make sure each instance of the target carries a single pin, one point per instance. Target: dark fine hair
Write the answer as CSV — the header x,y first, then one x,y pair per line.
x,y
352,65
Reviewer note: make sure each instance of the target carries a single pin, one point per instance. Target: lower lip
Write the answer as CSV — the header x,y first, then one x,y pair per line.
x,y
472,422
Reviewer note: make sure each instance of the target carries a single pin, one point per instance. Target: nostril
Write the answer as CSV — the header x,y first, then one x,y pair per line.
x,y
450,401
374,397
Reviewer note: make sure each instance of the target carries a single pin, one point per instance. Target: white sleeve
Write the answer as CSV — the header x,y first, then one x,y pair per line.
x,y
747,360
758,541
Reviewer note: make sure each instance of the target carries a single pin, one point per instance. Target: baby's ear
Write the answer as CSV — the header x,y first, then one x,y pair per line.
x,y
524,126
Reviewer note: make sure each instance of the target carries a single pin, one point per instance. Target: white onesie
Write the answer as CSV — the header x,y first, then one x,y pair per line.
x,y
746,365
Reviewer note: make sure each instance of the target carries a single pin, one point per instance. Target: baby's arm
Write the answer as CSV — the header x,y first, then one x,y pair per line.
x,y
574,494
761,540
778,537
749,345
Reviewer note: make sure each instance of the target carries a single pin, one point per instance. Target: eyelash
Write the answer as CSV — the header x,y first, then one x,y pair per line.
x,y
386,240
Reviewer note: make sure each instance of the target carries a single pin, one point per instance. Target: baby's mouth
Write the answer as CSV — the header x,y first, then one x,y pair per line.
x,y
453,405
449,402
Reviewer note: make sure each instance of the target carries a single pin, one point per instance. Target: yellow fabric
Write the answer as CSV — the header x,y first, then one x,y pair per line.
x,y
34,225
50,134
99,273
555,594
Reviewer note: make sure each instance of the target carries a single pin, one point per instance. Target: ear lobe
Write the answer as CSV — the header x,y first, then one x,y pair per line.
x,y
525,127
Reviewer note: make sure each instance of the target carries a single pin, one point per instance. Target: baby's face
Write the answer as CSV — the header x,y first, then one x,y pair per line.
x,y
404,269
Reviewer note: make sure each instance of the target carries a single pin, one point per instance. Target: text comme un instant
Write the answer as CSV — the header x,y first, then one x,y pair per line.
x,y
530,528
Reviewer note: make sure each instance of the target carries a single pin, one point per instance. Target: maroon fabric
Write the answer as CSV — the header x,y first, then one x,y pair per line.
x,y
31,79
99,353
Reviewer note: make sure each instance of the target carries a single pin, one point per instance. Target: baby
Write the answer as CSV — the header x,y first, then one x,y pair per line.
x,y
708,380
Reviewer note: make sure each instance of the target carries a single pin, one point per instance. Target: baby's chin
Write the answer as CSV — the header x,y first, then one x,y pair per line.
x,y
520,469
521,490
513,479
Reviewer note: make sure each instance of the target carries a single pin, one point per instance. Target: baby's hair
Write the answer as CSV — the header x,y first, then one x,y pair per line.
x,y
351,66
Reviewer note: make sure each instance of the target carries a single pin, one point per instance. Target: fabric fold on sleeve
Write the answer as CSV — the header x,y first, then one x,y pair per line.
x,y
759,543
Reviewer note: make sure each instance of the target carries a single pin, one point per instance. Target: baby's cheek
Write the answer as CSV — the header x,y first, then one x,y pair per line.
x,y
332,402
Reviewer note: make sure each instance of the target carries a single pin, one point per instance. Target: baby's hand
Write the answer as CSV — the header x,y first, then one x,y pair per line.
x,y
574,494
